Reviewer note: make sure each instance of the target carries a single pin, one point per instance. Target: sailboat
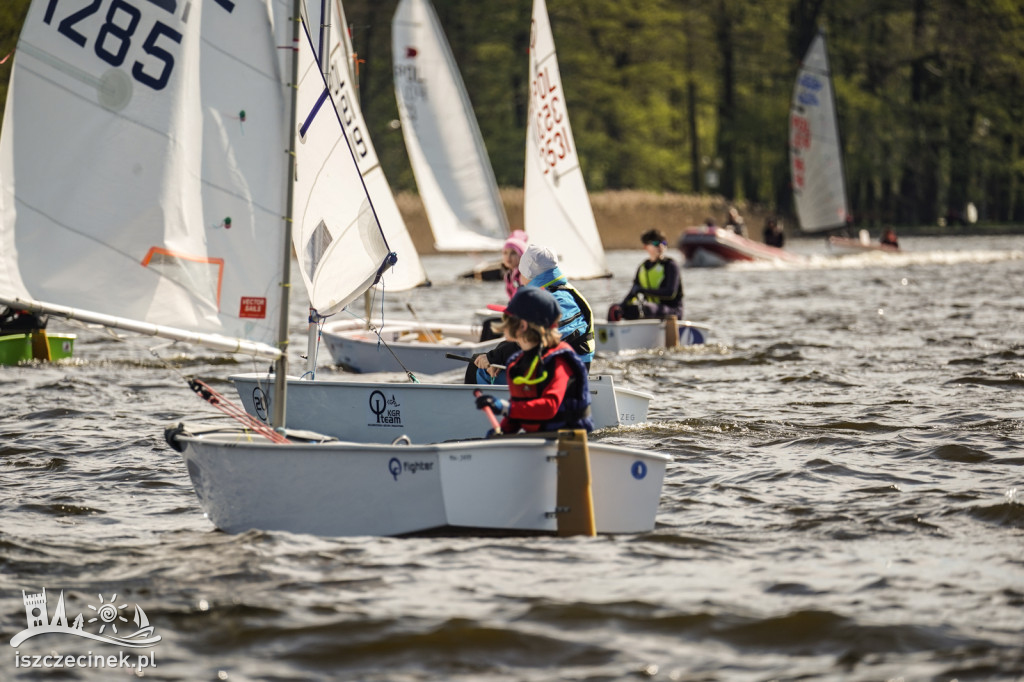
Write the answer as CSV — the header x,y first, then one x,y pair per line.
x,y
816,153
556,206
355,343
284,167
446,150
417,409
108,217
557,212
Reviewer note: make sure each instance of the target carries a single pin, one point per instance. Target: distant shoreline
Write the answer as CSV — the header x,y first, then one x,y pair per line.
x,y
622,216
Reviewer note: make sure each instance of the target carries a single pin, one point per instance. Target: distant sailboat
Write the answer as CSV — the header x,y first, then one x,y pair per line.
x,y
815,151
557,211
446,150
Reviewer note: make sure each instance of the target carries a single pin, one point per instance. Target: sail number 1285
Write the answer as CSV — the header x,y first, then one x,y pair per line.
x,y
116,35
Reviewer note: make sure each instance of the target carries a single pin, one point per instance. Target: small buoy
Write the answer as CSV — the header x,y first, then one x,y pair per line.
x,y
241,115
227,223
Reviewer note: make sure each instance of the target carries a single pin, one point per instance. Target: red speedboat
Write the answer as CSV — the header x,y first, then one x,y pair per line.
x,y
715,246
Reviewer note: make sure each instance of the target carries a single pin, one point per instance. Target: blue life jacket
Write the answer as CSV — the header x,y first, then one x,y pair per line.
x,y
573,412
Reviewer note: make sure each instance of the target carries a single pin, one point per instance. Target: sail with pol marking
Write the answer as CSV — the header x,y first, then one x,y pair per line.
x,y
815,151
557,211
446,150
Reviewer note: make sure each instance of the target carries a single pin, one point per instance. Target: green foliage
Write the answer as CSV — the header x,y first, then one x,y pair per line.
x,y
929,94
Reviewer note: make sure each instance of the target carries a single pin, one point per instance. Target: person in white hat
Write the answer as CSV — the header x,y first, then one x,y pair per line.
x,y
539,268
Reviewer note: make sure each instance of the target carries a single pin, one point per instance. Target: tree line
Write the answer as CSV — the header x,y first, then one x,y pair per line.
x,y
693,96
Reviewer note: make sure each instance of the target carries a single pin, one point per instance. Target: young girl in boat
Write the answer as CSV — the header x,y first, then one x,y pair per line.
x,y
547,381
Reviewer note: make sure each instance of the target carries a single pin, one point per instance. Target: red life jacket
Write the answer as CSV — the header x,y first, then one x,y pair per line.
x,y
574,410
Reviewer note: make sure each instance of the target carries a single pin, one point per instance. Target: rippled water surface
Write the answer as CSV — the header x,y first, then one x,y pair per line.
x,y
845,502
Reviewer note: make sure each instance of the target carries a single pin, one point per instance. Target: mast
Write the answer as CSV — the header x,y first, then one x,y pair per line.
x,y
281,366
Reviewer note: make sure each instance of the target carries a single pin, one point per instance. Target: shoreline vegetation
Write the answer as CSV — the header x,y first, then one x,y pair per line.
x,y
623,215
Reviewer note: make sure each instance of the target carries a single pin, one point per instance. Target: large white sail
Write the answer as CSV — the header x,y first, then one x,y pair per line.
x,y
408,272
557,211
815,152
446,151
127,189
336,235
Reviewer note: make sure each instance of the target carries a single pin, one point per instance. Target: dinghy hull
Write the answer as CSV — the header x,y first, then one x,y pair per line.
x,y
419,347
347,489
634,335
16,348
374,412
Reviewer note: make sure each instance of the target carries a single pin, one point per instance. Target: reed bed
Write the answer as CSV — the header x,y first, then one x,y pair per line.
x,y
622,216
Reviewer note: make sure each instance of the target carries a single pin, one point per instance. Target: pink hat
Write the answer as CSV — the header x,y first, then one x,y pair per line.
x,y
517,241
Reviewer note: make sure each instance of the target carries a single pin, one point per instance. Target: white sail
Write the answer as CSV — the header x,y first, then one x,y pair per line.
x,y
446,151
557,211
134,164
336,235
815,152
408,272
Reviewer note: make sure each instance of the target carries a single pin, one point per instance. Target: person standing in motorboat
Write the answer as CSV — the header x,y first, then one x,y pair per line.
x,y
548,385
773,235
658,281
735,222
889,238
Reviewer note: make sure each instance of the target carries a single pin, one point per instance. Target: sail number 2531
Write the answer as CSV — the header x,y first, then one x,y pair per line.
x,y
550,122
115,37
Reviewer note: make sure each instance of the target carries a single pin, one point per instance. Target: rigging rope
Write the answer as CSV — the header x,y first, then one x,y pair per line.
x,y
235,412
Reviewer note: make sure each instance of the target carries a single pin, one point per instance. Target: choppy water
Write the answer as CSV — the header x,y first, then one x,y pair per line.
x,y
846,502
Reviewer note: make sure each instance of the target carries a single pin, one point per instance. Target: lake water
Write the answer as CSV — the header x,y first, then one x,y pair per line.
x,y
845,502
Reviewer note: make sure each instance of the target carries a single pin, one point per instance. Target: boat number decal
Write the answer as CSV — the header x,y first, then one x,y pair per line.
x,y
384,411
261,403
550,125
118,39
627,417
397,466
639,470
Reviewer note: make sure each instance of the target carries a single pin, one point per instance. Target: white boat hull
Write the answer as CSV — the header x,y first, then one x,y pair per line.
x,y
419,347
631,335
843,246
344,489
374,412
